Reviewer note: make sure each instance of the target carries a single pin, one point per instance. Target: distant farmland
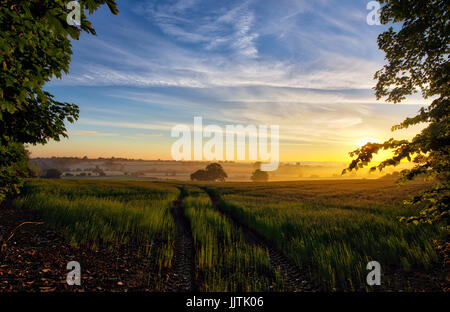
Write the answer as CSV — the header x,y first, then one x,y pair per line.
x,y
181,170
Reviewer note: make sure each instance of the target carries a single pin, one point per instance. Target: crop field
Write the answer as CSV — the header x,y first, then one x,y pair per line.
x,y
333,229
224,260
279,236
109,214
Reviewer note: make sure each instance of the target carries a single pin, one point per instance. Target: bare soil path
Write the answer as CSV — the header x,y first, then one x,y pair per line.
x,y
182,279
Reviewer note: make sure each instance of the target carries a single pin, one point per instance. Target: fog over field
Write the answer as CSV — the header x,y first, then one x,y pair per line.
x,y
181,170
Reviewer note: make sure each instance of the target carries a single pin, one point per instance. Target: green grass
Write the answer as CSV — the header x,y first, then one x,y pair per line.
x,y
224,260
108,214
334,239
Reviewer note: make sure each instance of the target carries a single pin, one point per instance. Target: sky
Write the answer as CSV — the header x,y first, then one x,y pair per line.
x,y
304,65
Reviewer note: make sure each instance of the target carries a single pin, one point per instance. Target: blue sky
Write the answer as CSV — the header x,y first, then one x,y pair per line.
x,y
306,66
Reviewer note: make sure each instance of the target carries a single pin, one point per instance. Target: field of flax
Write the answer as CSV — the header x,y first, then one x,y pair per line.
x,y
224,260
334,228
108,214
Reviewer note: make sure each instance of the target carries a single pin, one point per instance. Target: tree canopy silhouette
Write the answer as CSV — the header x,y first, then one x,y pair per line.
x,y
259,176
417,57
53,173
212,172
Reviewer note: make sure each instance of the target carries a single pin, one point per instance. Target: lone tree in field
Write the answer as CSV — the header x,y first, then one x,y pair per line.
x,y
417,59
199,175
34,48
53,173
212,172
259,176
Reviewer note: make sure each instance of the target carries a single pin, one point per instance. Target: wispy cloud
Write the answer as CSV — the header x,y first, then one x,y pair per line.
x,y
214,29
307,66
92,133
335,72
128,125
149,135
236,43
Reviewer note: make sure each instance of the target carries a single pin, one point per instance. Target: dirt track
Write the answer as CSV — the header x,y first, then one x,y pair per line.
x,y
294,279
182,279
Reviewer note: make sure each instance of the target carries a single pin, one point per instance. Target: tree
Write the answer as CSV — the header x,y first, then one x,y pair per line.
x,y
216,172
34,169
417,59
99,171
53,173
34,48
259,176
212,172
13,168
200,175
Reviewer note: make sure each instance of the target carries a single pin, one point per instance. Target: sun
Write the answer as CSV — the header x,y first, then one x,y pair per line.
x,y
364,141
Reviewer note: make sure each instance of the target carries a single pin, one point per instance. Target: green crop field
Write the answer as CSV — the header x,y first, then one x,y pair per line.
x,y
108,214
224,260
328,229
335,228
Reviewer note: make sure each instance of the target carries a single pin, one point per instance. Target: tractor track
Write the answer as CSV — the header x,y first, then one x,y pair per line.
x,y
294,279
182,277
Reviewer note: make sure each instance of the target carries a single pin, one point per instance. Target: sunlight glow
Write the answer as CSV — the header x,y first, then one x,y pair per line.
x,y
364,141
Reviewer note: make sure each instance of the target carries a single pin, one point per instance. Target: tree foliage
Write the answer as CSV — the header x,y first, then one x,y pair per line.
x,y
13,168
213,172
34,169
259,176
99,171
35,46
53,173
417,57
